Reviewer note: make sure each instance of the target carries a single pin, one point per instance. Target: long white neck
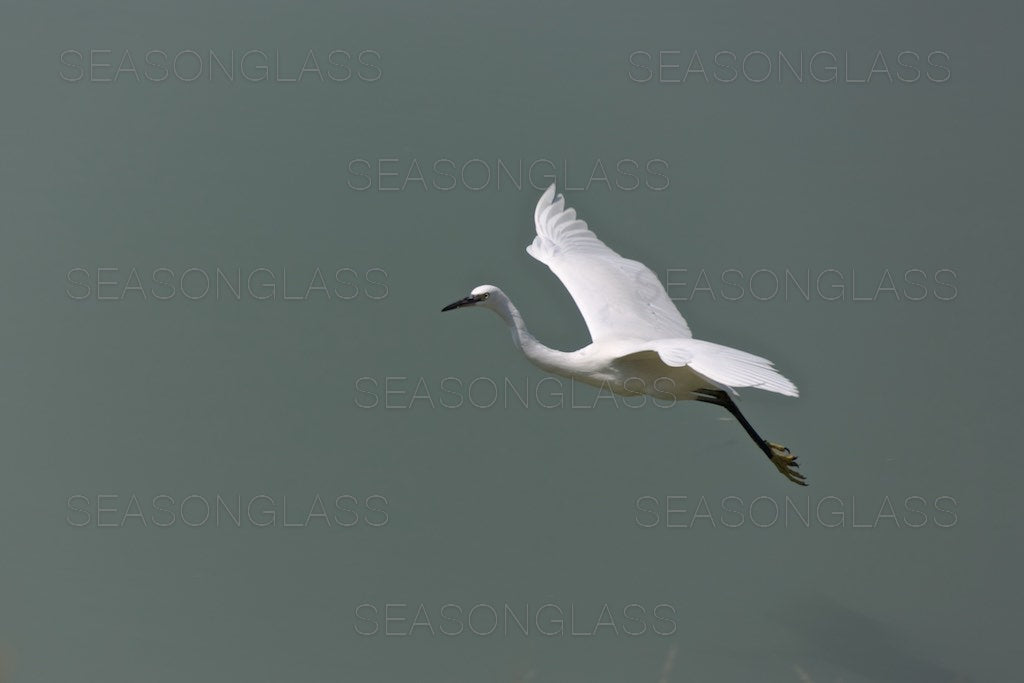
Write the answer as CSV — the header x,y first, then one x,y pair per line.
x,y
542,356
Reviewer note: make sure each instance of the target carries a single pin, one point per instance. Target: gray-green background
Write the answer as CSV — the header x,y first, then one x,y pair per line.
x,y
519,505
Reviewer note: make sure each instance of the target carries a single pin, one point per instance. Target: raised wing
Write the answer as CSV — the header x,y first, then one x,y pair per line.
x,y
618,298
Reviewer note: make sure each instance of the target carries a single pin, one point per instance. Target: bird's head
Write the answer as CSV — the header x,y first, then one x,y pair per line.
x,y
484,296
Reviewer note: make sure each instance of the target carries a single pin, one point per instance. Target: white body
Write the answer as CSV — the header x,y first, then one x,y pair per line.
x,y
641,343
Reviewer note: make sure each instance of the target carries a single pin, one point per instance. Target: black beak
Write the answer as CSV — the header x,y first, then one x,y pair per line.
x,y
460,303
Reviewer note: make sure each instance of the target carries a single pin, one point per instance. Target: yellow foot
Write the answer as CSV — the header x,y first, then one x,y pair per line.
x,y
786,463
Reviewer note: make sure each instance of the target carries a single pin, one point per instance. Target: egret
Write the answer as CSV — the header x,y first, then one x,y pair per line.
x,y
640,342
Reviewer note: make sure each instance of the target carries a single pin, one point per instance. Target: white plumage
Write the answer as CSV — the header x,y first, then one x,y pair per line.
x,y
640,342
623,299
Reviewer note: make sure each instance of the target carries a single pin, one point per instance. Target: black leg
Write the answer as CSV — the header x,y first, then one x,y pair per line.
x,y
725,400
779,455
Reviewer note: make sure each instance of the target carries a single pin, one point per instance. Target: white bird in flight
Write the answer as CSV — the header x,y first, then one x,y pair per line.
x,y
641,343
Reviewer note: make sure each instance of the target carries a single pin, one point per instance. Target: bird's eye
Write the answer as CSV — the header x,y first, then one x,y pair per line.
x,y
484,296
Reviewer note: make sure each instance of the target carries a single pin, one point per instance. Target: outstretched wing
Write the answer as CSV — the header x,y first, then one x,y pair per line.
x,y
618,298
724,365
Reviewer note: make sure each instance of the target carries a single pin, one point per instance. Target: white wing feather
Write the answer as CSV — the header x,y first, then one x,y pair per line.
x,y
618,298
723,365
623,299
